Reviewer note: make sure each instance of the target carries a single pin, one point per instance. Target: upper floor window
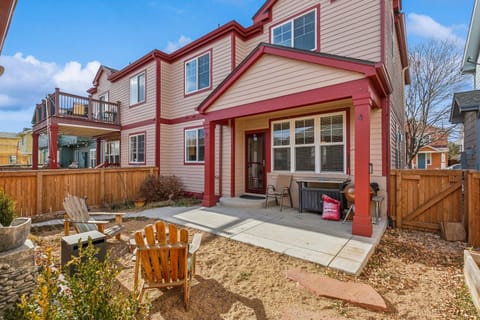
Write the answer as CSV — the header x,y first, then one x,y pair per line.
x,y
197,73
137,148
298,33
195,145
137,89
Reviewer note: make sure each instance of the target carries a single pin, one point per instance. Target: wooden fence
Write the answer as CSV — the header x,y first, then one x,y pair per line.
x,y
422,199
41,191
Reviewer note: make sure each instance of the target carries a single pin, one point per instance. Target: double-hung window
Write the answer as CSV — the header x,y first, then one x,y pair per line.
x,y
195,145
137,89
137,148
297,33
112,152
312,144
197,73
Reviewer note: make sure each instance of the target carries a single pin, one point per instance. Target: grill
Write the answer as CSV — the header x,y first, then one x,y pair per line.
x,y
349,194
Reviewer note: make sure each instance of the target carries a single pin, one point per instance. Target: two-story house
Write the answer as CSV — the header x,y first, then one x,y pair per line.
x,y
466,105
313,88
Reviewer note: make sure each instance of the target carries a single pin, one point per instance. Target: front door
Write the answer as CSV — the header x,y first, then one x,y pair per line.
x,y
421,161
255,173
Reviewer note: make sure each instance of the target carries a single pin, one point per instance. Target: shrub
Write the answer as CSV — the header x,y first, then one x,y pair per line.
x,y
161,188
7,209
89,293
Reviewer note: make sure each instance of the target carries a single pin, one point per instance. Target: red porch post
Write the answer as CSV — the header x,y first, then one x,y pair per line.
x,y
209,199
53,147
35,151
98,152
362,222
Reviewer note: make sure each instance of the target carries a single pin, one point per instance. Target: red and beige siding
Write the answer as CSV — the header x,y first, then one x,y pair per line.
x,y
347,28
271,77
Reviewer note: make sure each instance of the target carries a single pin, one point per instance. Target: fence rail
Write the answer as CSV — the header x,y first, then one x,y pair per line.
x,y
43,191
422,199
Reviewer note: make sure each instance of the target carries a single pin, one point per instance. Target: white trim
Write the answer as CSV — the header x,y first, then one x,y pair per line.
x,y
317,143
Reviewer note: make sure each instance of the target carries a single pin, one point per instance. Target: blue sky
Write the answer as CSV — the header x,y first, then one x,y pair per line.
x,y
62,43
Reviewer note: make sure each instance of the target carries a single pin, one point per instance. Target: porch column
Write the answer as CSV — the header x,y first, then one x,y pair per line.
x,y
35,151
53,147
98,152
362,222
209,199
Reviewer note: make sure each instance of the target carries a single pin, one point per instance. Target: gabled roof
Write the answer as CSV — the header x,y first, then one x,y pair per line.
x,y
368,68
108,71
472,45
464,102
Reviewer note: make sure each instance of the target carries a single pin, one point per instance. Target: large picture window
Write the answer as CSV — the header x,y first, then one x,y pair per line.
x,y
298,33
197,73
195,145
137,89
137,148
312,144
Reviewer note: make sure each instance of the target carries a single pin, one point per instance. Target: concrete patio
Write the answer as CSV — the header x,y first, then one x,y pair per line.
x,y
303,235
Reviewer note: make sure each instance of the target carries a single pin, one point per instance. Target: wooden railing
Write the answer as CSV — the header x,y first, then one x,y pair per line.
x,y
422,199
68,105
43,191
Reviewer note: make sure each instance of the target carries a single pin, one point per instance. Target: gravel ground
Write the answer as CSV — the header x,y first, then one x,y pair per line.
x,y
419,275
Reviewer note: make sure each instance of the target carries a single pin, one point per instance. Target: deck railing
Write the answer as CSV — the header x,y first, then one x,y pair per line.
x,y
62,104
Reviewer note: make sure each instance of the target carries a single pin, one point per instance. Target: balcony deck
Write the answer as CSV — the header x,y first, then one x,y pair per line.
x,y
76,115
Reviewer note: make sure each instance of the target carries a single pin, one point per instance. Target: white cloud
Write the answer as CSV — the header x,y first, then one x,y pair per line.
x,y
426,27
75,79
27,81
182,41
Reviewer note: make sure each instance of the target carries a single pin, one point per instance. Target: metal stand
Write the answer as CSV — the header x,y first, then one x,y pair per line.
x,y
350,210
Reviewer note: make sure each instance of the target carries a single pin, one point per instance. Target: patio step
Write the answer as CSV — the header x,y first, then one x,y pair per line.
x,y
238,202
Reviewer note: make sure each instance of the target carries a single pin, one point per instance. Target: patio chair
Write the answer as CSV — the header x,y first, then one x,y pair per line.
x,y
280,190
76,213
162,263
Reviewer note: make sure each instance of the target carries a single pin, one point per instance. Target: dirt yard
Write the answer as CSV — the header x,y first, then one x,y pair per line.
x,y
419,275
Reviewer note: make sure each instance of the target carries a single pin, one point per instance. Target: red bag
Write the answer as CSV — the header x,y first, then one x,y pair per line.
x,y
331,208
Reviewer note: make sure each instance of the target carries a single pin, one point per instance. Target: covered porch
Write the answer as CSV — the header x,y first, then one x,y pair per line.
x,y
326,117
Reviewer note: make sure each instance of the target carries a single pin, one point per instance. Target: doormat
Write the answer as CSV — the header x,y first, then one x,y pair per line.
x,y
250,197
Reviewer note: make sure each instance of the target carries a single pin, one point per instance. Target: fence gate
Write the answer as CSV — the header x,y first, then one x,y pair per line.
x,y
422,199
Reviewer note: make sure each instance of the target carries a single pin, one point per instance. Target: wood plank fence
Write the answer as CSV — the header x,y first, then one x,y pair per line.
x,y
422,199
41,191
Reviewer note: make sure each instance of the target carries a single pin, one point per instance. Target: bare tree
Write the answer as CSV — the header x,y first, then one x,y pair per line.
x,y
435,76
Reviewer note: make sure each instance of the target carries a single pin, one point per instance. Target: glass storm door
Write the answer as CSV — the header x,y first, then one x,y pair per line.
x,y
255,173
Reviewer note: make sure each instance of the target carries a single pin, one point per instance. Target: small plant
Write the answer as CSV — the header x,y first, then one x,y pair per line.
x,y
7,209
90,293
161,188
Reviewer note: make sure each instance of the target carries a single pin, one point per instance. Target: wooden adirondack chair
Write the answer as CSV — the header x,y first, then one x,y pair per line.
x,y
76,213
163,263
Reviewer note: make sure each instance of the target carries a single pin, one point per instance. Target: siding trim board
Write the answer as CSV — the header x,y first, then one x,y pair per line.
x,y
158,111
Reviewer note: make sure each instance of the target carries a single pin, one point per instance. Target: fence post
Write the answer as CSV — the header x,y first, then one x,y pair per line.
x,y
102,185
39,191
398,198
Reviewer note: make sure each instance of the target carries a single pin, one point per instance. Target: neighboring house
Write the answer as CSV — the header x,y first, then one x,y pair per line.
x,y
25,146
11,152
311,88
434,153
466,105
